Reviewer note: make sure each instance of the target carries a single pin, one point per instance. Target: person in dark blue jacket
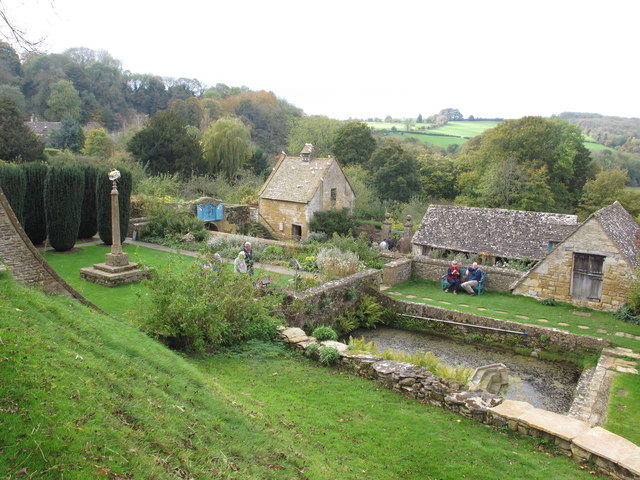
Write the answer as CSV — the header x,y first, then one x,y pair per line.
x,y
473,276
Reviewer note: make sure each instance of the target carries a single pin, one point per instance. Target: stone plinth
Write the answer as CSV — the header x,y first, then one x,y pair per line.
x,y
117,259
113,275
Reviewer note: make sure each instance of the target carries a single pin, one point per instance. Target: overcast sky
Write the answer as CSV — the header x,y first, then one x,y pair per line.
x,y
359,59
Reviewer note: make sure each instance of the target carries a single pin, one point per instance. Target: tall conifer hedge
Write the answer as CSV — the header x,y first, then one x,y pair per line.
x,y
89,217
35,223
63,192
103,204
14,184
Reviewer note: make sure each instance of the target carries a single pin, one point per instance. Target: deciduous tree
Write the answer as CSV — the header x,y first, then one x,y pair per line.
x,y
354,143
317,130
394,172
17,142
226,146
63,100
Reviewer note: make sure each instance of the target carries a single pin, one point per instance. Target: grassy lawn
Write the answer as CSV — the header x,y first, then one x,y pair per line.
x,y
87,396
517,308
119,300
624,402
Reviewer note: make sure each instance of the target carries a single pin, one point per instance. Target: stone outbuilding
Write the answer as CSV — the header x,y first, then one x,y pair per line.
x,y
297,188
493,233
593,267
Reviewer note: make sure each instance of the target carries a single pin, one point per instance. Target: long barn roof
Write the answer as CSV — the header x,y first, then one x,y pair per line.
x,y
500,232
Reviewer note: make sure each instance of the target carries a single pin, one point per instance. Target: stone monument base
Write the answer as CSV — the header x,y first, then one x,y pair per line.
x,y
113,275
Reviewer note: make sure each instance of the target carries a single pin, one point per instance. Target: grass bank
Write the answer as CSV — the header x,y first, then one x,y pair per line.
x,y
84,395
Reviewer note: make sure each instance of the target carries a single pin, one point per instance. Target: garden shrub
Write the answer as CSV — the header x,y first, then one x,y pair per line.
x,y
551,302
202,309
367,314
89,218
162,186
167,221
328,355
103,204
63,192
323,333
35,224
334,262
625,314
14,185
332,221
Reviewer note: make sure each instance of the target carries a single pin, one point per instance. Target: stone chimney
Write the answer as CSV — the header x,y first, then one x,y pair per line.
x,y
306,152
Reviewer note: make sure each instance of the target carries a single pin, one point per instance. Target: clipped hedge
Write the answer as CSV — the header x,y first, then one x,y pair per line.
x,y
89,217
35,222
13,183
103,204
63,192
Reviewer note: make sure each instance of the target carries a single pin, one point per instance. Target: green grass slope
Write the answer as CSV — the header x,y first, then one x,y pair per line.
x,y
83,395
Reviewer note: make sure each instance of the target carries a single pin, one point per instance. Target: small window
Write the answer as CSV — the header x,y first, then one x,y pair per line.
x,y
296,231
334,195
588,272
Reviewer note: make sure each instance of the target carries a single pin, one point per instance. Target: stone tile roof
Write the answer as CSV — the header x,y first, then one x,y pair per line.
x,y
43,128
623,230
501,232
295,179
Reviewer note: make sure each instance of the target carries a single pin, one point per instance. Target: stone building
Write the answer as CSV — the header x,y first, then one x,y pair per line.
x,y
297,188
493,233
592,267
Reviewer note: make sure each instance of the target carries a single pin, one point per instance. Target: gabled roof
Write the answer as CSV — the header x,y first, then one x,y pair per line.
x,y
500,232
295,179
623,230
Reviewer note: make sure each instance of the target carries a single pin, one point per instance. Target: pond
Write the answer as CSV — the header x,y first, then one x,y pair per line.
x,y
546,385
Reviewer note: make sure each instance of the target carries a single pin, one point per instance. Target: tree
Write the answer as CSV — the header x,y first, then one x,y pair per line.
x,y
394,172
437,176
64,100
409,123
17,142
368,203
259,162
14,185
63,193
419,119
317,130
10,68
15,94
35,224
549,150
226,146
354,143
165,146
452,114
607,187
89,216
69,136
98,144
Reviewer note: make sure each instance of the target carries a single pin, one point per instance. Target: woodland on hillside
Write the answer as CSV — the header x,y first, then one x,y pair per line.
x,y
182,139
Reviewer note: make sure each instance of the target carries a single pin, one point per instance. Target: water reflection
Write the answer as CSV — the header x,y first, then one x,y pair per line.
x,y
543,384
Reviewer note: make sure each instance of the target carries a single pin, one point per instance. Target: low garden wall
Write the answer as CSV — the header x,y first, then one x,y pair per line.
x,y
499,279
322,304
466,324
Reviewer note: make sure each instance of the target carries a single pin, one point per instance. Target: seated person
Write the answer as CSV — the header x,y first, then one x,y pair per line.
x,y
453,277
473,276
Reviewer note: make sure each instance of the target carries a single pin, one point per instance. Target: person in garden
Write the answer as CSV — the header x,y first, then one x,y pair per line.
x,y
453,277
239,264
248,254
473,276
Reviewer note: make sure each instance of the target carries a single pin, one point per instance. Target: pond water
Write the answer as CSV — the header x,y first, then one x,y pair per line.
x,y
546,385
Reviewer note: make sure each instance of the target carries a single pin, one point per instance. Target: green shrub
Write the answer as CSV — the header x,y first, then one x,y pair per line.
x,y
103,204
201,309
367,314
328,355
332,221
312,350
167,221
63,192
35,224
323,333
625,314
273,251
89,217
550,302
14,185
162,185
634,297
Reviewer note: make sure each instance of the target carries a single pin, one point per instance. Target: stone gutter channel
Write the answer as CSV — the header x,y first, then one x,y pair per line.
x,y
575,432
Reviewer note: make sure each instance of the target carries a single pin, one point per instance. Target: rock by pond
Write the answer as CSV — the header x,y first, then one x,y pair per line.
x,y
545,385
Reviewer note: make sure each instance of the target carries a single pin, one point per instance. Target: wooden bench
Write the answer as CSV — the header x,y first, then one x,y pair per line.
x,y
479,289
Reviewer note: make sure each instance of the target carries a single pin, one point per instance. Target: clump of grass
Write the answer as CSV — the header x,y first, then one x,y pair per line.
x,y
328,355
424,359
323,333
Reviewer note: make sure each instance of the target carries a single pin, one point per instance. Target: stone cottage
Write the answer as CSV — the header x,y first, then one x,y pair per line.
x,y
494,233
298,187
592,267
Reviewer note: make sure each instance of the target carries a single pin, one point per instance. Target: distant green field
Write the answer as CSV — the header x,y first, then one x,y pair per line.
x,y
596,147
438,141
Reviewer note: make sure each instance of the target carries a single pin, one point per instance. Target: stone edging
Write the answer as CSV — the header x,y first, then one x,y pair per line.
x,y
611,453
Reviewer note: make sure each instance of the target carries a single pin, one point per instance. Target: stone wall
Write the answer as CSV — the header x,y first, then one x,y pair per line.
x,y
552,277
274,212
498,279
321,305
397,271
19,255
534,336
